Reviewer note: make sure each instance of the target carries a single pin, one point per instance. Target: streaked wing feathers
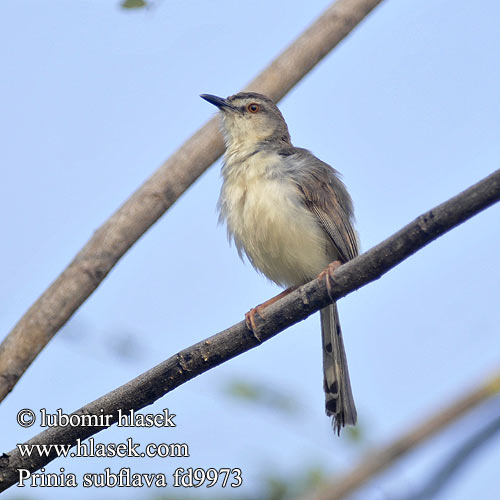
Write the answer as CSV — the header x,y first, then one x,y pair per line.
x,y
326,196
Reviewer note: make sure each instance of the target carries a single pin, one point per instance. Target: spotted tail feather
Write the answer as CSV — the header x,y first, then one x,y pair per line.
x,y
338,393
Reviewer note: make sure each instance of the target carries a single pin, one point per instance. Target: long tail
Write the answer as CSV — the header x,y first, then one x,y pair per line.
x,y
338,393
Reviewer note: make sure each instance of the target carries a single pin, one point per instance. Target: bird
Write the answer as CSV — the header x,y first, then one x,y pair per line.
x,y
291,215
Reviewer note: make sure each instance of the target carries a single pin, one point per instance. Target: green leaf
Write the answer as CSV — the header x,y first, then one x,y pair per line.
x,y
356,434
262,395
134,4
313,478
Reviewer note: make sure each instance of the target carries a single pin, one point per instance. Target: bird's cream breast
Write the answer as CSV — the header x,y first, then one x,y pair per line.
x,y
269,222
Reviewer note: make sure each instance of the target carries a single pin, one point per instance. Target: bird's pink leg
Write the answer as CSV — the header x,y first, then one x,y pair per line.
x,y
327,275
250,315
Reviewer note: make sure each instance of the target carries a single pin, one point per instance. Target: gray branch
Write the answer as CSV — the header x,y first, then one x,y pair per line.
x,y
201,357
455,463
380,459
110,242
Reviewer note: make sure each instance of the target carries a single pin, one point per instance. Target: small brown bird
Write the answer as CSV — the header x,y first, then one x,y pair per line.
x,y
291,215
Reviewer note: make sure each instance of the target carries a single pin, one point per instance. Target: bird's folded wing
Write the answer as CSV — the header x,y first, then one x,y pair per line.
x,y
326,196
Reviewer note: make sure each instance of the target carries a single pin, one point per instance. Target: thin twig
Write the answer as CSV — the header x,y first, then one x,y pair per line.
x,y
379,460
91,265
440,478
197,359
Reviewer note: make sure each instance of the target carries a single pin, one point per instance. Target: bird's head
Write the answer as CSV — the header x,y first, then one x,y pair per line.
x,y
249,118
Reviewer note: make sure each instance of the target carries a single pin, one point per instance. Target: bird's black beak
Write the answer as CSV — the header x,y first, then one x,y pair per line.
x,y
220,102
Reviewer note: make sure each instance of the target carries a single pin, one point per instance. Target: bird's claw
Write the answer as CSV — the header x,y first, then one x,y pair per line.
x,y
327,275
250,321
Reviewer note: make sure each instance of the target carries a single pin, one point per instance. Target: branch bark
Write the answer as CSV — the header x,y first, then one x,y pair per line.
x,y
91,265
187,364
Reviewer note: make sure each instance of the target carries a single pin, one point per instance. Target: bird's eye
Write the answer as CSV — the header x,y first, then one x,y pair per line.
x,y
253,107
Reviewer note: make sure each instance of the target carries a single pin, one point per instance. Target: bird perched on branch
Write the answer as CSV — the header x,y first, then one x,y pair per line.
x,y
292,216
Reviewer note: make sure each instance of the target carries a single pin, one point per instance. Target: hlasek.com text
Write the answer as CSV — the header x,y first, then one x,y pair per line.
x,y
124,477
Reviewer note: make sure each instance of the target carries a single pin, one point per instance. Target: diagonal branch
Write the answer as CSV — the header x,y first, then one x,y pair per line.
x,y
380,459
96,259
201,357
455,463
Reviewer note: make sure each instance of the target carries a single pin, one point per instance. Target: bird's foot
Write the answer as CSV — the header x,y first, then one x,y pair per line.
x,y
250,320
327,275
250,316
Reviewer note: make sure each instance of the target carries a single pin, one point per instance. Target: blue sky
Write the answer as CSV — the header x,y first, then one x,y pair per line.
x,y
406,108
